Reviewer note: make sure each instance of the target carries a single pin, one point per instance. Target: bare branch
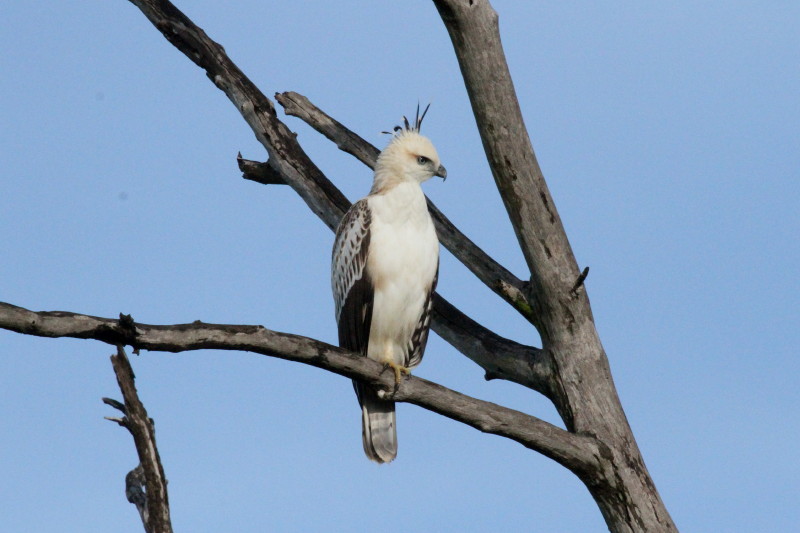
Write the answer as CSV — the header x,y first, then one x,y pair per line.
x,y
499,357
259,172
288,162
154,508
486,269
346,140
287,158
576,452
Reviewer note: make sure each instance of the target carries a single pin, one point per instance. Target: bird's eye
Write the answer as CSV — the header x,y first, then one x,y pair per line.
x,y
422,160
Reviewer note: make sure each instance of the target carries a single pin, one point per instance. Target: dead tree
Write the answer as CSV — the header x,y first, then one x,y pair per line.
x,y
145,485
571,368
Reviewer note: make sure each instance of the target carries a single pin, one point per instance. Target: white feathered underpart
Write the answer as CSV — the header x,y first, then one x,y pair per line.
x,y
385,264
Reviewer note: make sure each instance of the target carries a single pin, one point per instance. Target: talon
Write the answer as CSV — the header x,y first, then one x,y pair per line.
x,y
399,370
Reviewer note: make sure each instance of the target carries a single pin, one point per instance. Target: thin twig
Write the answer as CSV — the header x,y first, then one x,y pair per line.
x,y
579,281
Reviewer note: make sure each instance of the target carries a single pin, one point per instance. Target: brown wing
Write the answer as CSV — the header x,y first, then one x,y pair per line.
x,y
419,339
352,289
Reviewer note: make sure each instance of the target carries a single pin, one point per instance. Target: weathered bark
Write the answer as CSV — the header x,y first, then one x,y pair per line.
x,y
585,394
153,504
576,452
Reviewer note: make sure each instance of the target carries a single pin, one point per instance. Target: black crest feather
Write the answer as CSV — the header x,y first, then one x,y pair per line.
x,y
407,126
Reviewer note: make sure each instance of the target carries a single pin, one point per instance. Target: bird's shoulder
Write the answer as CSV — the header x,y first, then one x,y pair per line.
x,y
354,222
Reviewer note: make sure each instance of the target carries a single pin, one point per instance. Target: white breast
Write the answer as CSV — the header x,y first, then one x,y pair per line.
x,y
402,262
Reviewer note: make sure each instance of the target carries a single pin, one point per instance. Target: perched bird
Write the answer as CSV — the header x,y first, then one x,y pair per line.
x,y
384,270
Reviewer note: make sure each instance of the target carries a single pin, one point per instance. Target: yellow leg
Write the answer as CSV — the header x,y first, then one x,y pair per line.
x,y
399,370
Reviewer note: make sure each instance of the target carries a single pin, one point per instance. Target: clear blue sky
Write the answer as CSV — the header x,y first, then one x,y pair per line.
x,y
669,137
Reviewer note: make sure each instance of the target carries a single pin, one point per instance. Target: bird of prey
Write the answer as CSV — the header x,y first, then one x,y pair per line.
x,y
385,265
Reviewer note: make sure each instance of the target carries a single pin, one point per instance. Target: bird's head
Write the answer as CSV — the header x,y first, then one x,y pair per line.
x,y
409,155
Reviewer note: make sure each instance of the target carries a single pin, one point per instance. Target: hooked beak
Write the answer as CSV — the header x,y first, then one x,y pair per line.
x,y
441,172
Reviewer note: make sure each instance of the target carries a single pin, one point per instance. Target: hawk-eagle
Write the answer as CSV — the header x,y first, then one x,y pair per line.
x,y
384,270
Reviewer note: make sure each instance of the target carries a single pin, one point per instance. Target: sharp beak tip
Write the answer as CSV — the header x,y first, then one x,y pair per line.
x,y
442,172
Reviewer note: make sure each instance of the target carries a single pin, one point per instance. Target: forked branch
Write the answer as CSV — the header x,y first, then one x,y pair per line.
x,y
289,164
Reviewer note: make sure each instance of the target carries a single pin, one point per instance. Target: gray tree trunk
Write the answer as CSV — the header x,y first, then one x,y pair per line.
x,y
584,391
